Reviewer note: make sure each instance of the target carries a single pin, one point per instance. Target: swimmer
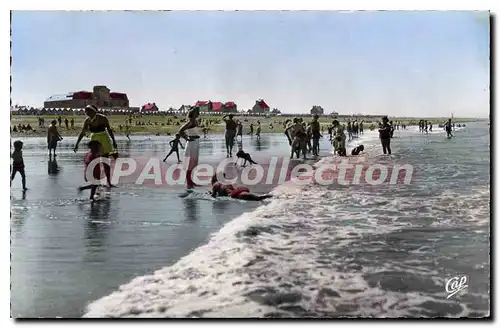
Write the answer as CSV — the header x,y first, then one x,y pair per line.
x,y
356,151
245,156
224,190
174,147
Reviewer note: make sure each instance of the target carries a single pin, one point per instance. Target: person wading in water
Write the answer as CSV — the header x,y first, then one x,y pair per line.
x,y
239,131
100,130
316,134
53,137
190,132
385,135
298,136
448,127
231,127
339,139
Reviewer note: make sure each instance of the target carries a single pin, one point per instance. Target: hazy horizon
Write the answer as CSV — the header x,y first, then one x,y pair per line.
x,y
413,64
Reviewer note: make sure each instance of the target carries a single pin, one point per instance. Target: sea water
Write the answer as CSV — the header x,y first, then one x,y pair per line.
x,y
313,251
67,252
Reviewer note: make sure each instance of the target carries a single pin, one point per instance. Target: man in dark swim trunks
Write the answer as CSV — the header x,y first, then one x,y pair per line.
x,y
224,190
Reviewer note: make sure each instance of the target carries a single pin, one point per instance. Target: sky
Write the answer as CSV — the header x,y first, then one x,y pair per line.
x,y
414,64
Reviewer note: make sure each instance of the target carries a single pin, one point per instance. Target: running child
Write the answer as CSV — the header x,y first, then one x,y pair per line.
x,y
18,163
174,147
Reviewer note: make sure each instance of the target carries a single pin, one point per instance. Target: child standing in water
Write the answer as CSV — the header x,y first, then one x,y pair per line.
x,y
18,163
53,137
174,147
93,154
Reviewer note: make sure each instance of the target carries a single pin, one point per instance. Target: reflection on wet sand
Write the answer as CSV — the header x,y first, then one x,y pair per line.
x,y
97,223
20,213
52,166
192,210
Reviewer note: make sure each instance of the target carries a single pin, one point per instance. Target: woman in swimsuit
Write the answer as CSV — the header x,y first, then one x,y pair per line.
x,y
224,190
189,131
100,130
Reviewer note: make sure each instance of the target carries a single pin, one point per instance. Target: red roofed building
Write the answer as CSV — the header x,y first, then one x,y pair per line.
x,y
216,106
260,107
230,107
204,105
149,108
100,96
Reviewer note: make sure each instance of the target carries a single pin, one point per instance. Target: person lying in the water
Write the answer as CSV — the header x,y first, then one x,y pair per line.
x,y
220,189
357,150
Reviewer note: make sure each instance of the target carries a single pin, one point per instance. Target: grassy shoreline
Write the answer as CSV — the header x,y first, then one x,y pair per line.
x,y
168,125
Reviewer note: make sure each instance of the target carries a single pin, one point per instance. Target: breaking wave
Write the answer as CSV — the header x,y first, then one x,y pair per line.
x,y
317,251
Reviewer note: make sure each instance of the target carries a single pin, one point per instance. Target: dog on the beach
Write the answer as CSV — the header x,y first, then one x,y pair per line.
x,y
357,150
245,156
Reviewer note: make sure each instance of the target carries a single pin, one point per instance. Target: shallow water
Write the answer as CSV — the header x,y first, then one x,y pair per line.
x,y
67,251
321,251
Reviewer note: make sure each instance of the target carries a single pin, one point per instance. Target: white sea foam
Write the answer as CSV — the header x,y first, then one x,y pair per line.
x,y
302,254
